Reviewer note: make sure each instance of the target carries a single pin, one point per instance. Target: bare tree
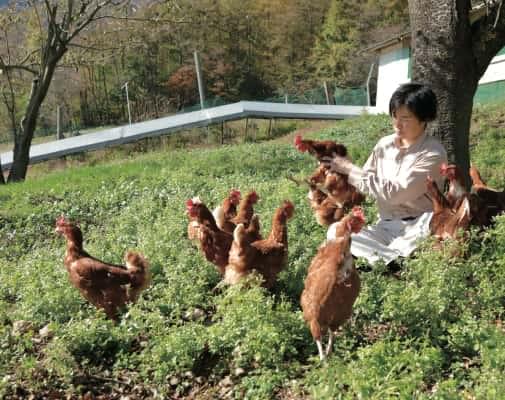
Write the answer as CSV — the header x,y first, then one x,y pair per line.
x,y
453,45
8,98
58,25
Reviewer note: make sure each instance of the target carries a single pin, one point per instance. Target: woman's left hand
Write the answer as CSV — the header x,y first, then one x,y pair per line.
x,y
338,164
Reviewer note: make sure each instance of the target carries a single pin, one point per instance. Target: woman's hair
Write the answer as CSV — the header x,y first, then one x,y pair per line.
x,y
418,98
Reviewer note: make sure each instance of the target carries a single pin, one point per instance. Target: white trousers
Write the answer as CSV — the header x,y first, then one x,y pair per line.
x,y
390,239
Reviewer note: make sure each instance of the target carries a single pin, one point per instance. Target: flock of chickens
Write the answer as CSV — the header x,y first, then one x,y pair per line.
x,y
454,212
230,238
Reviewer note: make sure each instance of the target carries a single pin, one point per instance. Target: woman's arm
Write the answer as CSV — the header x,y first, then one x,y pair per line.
x,y
408,186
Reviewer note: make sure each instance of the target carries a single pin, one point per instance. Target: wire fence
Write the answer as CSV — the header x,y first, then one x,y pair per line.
x,y
141,111
354,96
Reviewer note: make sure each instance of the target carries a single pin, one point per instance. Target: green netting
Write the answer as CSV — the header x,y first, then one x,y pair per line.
x,y
490,93
350,96
342,96
208,103
314,96
276,99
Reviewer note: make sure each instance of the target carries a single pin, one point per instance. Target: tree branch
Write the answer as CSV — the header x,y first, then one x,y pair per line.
x,y
90,18
93,48
17,67
498,13
153,19
164,21
489,35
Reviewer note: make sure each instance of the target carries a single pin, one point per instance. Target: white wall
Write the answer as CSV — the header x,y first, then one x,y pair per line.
x,y
393,71
495,71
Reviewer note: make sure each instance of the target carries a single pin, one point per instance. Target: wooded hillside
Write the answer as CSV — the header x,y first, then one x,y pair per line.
x,y
249,50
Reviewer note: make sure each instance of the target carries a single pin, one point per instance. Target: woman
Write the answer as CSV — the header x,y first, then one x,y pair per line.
x,y
395,175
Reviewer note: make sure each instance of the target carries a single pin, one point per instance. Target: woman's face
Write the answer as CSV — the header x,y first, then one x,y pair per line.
x,y
406,125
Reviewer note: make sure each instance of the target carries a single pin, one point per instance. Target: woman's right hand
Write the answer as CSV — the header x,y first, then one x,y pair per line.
x,y
338,164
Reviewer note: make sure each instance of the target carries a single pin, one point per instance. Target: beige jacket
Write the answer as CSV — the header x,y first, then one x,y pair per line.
x,y
396,176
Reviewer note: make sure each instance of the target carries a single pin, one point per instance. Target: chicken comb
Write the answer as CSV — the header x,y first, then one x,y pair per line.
x,y
61,220
299,143
235,193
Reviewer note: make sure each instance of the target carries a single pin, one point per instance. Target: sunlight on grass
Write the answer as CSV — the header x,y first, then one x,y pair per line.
x,y
433,331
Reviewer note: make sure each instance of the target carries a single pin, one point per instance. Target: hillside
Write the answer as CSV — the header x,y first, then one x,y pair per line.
x,y
432,330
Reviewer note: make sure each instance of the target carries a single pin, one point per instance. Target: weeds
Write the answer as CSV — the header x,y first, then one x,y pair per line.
x,y
434,330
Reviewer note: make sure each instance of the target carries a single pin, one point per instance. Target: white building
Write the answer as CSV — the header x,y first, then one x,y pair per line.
x,y
394,68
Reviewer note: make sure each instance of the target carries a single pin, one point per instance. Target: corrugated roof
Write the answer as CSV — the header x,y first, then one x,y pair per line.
x,y
167,125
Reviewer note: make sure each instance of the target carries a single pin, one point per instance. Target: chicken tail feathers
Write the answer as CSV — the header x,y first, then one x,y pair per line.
x,y
219,216
138,267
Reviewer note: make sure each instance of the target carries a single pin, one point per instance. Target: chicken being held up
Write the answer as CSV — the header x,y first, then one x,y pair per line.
x,y
446,221
336,185
268,256
341,192
492,200
330,195
320,148
318,176
106,286
325,208
224,213
332,283
214,243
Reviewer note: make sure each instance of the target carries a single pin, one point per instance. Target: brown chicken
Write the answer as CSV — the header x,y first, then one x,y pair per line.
x,y
106,286
332,283
457,189
253,231
267,257
246,209
320,148
214,243
193,230
330,195
319,175
446,221
224,213
325,208
492,201
342,193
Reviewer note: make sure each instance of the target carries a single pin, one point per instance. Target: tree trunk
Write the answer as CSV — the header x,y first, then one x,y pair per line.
x,y
2,179
57,31
443,57
23,141
451,54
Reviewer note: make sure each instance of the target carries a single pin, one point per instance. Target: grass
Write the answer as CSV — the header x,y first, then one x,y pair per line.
x,y
433,331
232,132
8,145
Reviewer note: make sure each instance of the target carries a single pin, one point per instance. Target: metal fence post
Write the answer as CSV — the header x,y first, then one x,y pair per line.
x,y
199,79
